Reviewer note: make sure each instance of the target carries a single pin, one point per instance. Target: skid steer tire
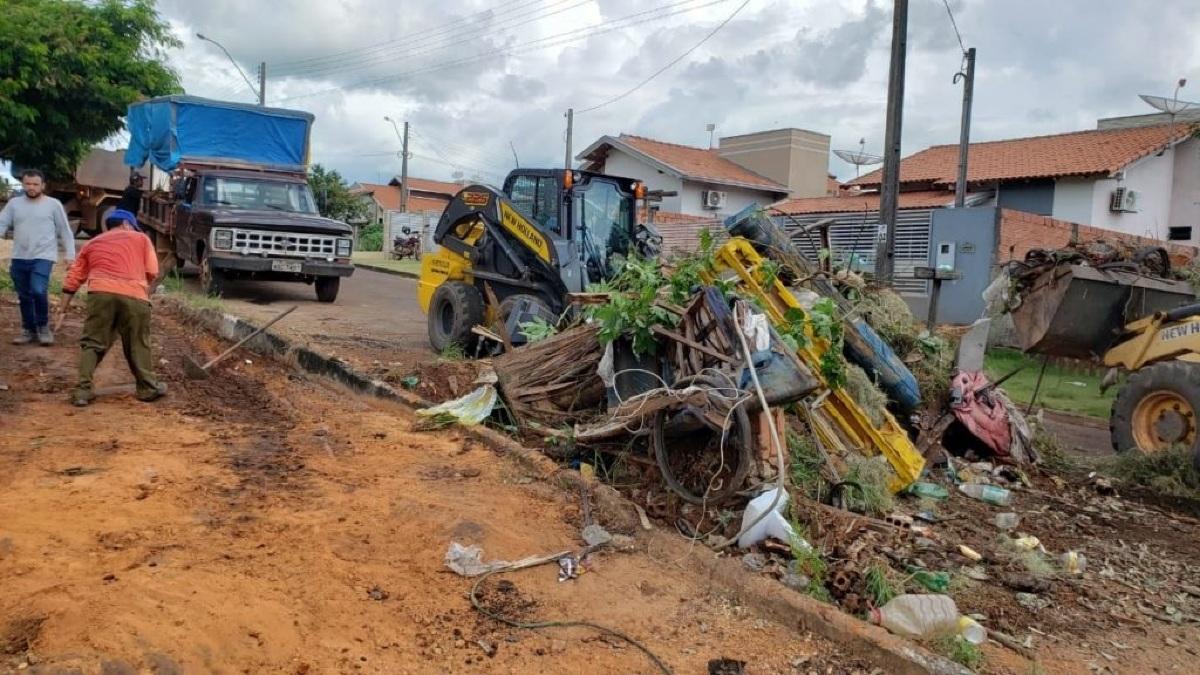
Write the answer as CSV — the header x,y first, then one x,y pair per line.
x,y
537,307
1158,409
454,310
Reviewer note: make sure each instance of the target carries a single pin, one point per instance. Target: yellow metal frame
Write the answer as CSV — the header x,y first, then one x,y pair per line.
x,y
1153,342
843,425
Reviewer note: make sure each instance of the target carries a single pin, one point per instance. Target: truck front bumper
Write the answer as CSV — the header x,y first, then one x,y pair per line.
x,y
270,268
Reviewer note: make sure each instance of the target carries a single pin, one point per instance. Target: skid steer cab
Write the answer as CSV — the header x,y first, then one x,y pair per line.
x,y
507,257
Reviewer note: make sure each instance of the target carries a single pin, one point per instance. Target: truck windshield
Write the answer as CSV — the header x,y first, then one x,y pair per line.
x,y
251,193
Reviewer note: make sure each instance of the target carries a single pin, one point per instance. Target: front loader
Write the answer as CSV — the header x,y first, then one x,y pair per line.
x,y
509,256
1144,328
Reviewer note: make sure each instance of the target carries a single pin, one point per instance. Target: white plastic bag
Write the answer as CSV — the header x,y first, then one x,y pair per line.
x,y
757,331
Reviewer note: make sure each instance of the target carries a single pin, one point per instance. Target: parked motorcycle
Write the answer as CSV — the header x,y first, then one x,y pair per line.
x,y
407,245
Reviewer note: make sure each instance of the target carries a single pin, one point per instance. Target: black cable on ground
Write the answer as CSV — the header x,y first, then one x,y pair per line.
x,y
556,624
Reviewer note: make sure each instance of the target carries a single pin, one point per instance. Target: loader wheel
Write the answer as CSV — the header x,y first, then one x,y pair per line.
x,y
1156,409
454,310
536,306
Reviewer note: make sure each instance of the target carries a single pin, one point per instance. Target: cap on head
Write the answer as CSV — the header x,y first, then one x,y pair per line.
x,y
119,216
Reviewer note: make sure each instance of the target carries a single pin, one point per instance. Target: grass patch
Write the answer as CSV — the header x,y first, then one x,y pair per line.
x,y
1061,390
380,259
880,588
1170,473
869,479
958,650
866,394
6,284
805,466
808,561
1053,456
453,352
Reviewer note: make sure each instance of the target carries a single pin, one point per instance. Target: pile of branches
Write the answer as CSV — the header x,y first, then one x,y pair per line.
x,y
554,381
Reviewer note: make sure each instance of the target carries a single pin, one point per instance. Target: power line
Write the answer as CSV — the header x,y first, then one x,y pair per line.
x,y
463,149
667,67
533,45
385,44
446,40
447,159
954,23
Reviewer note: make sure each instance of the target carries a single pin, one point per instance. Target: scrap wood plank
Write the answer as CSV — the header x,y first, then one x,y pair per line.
x,y
672,335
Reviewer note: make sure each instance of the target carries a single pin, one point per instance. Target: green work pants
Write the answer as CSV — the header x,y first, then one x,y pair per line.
x,y
110,316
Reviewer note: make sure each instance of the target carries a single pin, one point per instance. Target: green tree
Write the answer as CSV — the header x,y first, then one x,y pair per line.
x,y
334,199
68,71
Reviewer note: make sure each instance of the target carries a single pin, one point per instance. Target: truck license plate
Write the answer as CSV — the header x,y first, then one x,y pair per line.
x,y
285,265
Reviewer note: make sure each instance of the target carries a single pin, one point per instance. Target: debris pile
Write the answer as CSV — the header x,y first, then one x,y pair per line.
x,y
746,411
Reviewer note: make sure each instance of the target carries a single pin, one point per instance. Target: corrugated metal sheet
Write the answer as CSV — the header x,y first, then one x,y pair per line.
x,y
853,237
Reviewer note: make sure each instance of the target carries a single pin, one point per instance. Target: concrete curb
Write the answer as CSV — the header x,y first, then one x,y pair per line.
x,y
871,643
386,270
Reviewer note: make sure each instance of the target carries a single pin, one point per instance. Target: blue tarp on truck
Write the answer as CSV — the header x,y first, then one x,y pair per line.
x,y
173,129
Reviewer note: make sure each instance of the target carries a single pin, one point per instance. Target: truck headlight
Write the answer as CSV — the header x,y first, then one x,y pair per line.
x,y
343,247
222,240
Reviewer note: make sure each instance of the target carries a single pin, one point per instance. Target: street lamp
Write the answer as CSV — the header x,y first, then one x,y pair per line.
x,y
259,91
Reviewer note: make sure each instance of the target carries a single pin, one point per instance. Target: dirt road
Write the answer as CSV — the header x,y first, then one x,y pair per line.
x,y
264,522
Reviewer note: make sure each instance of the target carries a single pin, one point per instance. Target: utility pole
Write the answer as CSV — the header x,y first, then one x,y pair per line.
x,y
885,250
262,83
404,173
570,131
964,140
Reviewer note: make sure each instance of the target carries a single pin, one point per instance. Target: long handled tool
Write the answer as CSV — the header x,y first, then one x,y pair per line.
x,y
195,371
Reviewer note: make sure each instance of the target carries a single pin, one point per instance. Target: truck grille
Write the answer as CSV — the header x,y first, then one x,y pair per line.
x,y
294,244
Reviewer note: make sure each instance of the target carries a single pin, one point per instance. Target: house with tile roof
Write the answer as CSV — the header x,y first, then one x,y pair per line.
x,y
424,196
752,168
1139,180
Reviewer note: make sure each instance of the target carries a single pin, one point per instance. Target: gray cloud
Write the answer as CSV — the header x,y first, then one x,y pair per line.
x,y
1043,67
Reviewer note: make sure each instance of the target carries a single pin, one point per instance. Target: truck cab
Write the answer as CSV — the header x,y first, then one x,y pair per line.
x,y
242,224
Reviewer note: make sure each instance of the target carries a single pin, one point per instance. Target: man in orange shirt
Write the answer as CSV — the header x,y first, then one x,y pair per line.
x,y
118,267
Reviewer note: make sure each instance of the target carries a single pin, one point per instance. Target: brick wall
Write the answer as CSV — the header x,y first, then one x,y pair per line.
x,y
1020,232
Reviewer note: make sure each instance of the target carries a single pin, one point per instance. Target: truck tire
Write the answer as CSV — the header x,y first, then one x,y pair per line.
x,y
454,310
212,280
1157,410
537,307
327,288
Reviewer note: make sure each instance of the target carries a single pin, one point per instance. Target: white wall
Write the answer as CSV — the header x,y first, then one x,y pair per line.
x,y
1185,197
736,199
1153,178
1073,200
689,199
621,164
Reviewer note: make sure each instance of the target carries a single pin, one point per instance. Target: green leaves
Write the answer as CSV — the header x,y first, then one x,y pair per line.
x,y
631,309
69,70
334,199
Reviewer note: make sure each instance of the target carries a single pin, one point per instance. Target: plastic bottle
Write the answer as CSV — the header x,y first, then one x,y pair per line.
x,y
919,616
991,494
1007,520
971,631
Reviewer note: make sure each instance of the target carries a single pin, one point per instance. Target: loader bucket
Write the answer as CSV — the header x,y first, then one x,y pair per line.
x,y
1077,311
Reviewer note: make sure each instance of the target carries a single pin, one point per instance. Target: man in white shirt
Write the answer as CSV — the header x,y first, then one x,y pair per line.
x,y
39,226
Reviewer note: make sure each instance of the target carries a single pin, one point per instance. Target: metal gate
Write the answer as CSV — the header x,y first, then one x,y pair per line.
x,y
853,238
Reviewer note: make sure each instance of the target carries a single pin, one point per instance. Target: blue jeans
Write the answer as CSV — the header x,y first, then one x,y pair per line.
x,y
31,278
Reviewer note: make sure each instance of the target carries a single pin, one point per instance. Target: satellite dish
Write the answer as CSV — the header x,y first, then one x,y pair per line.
x,y
1171,106
859,158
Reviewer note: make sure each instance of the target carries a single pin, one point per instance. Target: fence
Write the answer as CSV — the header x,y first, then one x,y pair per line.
x,y
854,236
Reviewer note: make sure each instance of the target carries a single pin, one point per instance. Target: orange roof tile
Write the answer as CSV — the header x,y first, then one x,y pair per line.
x,y
867,201
426,185
388,198
700,164
1079,153
832,186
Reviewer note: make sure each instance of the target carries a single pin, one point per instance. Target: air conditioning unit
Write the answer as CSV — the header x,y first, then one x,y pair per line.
x,y
1124,200
713,199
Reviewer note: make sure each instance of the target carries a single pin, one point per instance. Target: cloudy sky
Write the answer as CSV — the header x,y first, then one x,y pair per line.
x,y
474,76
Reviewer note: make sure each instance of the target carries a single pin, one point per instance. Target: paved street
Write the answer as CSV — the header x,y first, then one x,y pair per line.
x,y
375,318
